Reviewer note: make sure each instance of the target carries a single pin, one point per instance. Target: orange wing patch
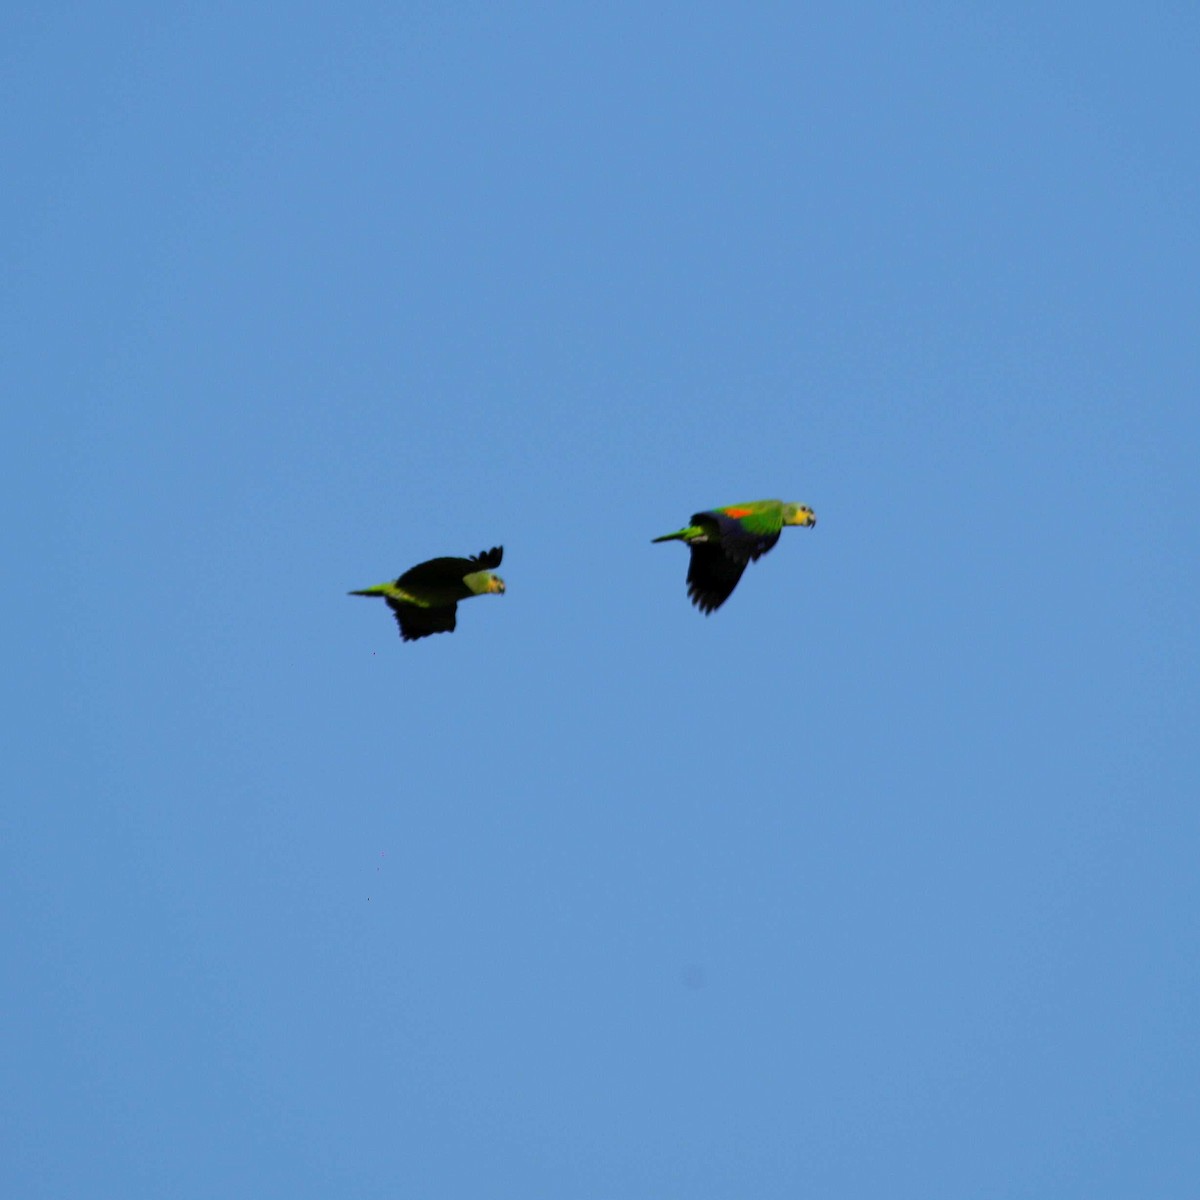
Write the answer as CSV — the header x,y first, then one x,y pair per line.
x,y
737,511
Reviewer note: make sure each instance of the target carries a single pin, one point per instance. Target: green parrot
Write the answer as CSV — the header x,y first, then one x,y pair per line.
x,y
724,540
425,598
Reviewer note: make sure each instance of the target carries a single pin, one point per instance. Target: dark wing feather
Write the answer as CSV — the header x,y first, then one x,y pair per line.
x,y
712,576
718,563
417,622
487,560
739,543
436,573
443,572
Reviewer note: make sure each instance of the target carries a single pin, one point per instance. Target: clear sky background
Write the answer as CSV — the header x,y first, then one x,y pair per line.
x,y
880,882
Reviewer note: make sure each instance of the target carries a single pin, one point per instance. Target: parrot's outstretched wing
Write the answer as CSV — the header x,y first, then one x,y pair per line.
x,y
417,622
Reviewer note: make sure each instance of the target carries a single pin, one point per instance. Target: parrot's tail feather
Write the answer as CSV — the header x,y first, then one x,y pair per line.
x,y
688,533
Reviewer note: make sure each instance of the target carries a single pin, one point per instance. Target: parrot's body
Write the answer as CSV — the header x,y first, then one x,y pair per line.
x,y
425,598
724,540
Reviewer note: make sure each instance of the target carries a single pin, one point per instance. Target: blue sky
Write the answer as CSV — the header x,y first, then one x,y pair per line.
x,y
881,881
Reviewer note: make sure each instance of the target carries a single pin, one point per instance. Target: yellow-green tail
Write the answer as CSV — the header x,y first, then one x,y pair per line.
x,y
680,535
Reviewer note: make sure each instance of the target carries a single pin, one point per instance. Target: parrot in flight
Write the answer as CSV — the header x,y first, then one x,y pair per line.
x,y
424,600
724,540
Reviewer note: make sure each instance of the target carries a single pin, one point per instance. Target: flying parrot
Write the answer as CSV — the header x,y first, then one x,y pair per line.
x,y
425,598
724,540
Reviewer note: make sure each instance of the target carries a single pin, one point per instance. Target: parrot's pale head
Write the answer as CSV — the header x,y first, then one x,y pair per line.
x,y
798,514
484,583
